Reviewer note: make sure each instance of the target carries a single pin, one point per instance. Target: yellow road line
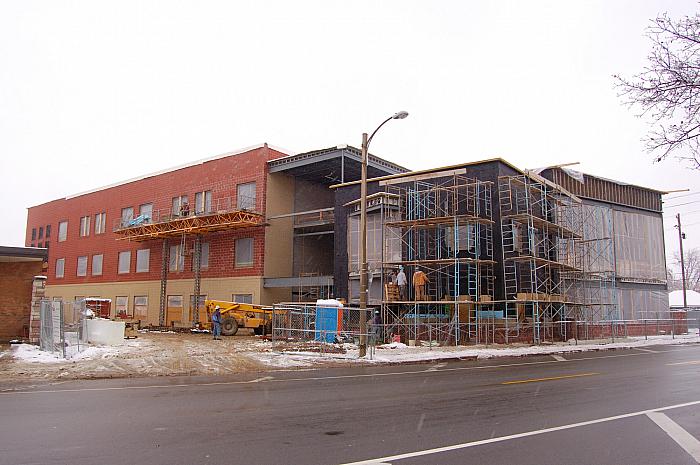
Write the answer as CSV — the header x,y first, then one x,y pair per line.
x,y
537,380
692,362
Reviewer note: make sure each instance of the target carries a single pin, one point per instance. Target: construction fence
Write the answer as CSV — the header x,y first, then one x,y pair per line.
x,y
62,327
327,330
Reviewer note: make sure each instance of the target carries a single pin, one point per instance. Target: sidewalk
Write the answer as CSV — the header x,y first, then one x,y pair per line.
x,y
156,354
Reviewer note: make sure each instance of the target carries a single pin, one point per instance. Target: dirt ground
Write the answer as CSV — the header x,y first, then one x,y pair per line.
x,y
150,354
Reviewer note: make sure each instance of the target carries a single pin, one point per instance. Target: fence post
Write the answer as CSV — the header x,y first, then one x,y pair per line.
x,y
673,328
646,337
612,333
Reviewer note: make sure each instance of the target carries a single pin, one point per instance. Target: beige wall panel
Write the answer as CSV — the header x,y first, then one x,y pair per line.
x,y
213,288
279,233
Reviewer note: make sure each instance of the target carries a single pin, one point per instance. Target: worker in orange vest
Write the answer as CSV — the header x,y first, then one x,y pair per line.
x,y
419,281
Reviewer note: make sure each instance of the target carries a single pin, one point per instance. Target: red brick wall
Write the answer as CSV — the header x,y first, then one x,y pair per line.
x,y
16,297
220,176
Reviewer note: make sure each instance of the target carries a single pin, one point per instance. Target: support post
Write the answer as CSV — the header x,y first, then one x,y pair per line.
x,y
363,250
165,263
197,264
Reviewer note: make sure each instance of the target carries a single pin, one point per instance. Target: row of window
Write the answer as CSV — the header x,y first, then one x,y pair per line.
x,y
41,233
243,258
139,308
245,200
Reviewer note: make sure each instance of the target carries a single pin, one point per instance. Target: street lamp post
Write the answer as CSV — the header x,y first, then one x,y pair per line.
x,y
363,232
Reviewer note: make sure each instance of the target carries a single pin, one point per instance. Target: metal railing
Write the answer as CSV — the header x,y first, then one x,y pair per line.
x,y
164,215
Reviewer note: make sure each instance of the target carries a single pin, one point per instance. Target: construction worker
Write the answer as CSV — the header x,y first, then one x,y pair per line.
x,y
419,282
401,281
216,323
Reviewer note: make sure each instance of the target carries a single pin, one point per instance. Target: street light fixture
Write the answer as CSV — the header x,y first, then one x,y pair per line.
x,y
363,231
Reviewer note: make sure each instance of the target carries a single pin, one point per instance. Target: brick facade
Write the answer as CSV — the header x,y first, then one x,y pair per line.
x,y
221,176
16,280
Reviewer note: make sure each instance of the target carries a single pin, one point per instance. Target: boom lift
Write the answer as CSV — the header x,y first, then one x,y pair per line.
x,y
236,315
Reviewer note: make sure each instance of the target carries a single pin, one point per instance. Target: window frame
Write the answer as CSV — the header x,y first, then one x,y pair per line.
x,y
237,248
100,222
84,260
63,231
243,202
119,262
84,226
139,253
63,268
101,261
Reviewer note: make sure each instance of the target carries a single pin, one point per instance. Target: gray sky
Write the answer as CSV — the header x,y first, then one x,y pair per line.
x,y
95,92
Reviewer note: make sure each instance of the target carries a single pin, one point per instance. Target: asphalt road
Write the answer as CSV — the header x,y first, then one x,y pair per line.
x,y
620,407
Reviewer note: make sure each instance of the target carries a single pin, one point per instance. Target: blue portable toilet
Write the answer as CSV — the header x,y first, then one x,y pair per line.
x,y
329,319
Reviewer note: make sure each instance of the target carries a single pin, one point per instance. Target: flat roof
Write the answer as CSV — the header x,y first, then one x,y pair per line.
x,y
333,165
23,254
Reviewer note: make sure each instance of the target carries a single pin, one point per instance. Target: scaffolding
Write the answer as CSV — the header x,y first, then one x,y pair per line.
x,y
543,253
442,226
227,214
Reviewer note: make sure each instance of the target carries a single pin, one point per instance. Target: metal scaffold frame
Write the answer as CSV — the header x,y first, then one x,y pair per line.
x,y
444,226
558,257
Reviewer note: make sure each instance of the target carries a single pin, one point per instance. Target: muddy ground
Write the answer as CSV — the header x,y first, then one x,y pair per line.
x,y
150,354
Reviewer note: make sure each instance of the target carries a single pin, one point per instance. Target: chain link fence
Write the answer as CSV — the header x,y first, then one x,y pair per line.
x,y
324,329
62,327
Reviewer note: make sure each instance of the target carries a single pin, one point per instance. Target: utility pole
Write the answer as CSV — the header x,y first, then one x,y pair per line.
x,y
363,249
681,236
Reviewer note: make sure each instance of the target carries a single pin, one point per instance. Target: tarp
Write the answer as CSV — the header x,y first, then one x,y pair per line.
x,y
675,298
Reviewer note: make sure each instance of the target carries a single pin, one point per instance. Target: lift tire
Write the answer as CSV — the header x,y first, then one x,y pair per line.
x,y
229,327
260,330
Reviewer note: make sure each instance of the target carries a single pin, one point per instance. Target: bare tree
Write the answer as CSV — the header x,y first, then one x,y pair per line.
x,y
692,271
668,90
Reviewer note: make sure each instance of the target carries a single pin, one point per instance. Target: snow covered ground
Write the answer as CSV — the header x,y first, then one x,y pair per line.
x,y
154,354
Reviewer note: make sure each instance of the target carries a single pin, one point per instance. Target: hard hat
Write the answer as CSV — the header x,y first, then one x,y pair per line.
x,y
376,312
217,308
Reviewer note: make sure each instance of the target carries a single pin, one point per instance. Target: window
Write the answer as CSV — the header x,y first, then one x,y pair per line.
x,y
40,245
121,308
33,234
244,251
46,245
100,222
142,260
242,298
202,298
204,261
245,196
84,226
202,202
48,231
32,245
146,211
62,231
125,261
181,207
204,257
141,307
177,258
60,267
127,215
41,232
97,265
82,266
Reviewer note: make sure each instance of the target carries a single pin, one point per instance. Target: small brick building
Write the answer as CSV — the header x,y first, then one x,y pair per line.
x,y
18,267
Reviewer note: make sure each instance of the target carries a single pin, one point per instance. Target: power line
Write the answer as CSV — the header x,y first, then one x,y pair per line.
x,y
682,195
683,213
681,204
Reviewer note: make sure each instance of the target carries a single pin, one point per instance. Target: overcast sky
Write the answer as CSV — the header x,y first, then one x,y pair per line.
x,y
95,92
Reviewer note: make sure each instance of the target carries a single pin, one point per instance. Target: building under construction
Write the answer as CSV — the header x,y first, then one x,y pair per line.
x,y
509,255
